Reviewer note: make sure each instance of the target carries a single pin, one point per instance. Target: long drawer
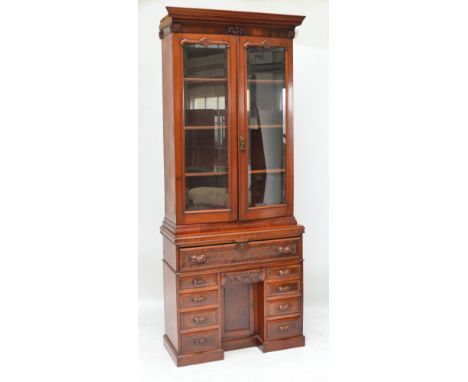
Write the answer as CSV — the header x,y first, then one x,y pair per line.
x,y
228,254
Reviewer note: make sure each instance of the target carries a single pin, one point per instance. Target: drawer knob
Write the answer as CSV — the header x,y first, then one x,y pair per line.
x,y
284,308
283,328
200,259
198,299
284,272
285,288
199,340
285,249
199,319
198,281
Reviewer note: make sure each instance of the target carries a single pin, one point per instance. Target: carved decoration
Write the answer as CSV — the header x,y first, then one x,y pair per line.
x,y
250,277
205,41
238,30
291,33
176,27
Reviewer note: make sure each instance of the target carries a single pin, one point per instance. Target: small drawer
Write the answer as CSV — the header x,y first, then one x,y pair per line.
x,y
280,273
198,319
285,287
239,253
286,306
199,299
200,341
277,329
198,281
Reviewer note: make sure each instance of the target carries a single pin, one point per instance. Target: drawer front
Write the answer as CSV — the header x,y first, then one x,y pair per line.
x,y
198,319
199,299
283,288
200,341
284,328
227,254
198,281
286,272
286,306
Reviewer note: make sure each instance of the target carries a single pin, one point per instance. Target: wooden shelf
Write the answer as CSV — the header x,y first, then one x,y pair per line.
x,y
265,126
267,81
206,127
204,79
269,171
213,173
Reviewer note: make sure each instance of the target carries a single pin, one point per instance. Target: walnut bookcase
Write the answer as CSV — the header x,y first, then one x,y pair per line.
x,y
232,248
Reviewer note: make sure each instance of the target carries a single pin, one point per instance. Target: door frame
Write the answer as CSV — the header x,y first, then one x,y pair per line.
x,y
205,216
246,212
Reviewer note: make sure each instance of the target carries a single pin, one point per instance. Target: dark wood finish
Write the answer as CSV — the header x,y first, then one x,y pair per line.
x,y
198,281
282,307
200,341
200,299
232,274
284,272
198,319
283,328
227,254
283,288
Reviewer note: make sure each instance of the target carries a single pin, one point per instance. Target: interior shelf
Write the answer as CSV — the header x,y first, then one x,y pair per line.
x,y
265,126
269,171
205,127
204,79
266,81
213,173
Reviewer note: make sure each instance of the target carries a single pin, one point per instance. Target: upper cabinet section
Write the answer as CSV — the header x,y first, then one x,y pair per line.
x,y
209,21
227,106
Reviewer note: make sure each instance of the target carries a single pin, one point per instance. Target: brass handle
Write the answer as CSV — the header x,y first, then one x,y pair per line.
x,y
200,259
199,281
284,308
286,249
284,272
199,319
198,299
284,328
285,288
199,341
242,143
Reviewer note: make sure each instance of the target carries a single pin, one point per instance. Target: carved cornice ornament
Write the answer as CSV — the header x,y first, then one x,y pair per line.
x,y
238,30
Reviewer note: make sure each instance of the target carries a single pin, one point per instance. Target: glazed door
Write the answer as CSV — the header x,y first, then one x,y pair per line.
x,y
207,186
265,128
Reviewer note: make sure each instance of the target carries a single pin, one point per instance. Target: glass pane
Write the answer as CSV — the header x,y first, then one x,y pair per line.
x,y
266,101
206,192
206,129
206,62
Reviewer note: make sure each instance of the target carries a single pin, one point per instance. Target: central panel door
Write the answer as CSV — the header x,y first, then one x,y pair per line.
x,y
239,311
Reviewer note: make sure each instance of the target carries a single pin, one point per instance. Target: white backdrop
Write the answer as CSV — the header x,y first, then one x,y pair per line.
x,y
311,189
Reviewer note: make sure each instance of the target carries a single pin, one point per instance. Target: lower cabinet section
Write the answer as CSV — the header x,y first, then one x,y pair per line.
x,y
211,311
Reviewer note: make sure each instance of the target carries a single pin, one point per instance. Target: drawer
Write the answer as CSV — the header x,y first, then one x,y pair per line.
x,y
228,254
285,287
198,319
199,299
200,341
277,329
286,306
198,281
280,273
